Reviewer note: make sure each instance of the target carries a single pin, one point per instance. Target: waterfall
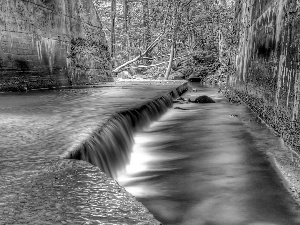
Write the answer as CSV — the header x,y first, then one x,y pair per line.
x,y
109,146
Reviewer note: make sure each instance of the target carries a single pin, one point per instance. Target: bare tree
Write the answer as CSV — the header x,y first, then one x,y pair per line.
x,y
126,28
112,31
176,25
147,29
143,55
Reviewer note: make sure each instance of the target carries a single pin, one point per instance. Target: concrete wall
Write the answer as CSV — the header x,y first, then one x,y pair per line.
x,y
267,62
45,43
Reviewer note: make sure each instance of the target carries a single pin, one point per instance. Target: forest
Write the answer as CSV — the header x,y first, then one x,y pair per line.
x,y
170,39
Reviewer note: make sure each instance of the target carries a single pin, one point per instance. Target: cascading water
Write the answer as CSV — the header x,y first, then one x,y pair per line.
x,y
109,146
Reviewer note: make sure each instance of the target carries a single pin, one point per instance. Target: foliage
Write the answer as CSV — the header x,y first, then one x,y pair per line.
x,y
203,30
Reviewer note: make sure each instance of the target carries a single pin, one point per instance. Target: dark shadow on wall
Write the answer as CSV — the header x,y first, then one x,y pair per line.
x,y
22,65
265,47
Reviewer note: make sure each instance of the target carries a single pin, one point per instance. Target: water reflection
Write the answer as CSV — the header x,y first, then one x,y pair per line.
x,y
205,166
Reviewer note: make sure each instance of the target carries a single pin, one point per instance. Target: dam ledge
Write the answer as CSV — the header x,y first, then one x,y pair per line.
x,y
117,83
47,191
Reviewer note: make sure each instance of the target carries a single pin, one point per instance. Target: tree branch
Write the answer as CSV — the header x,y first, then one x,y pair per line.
x,y
143,66
149,49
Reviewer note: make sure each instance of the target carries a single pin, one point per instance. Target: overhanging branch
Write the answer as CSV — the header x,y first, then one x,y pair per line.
x,y
149,49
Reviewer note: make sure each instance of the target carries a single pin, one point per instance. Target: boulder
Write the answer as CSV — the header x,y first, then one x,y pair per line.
x,y
204,99
180,108
195,79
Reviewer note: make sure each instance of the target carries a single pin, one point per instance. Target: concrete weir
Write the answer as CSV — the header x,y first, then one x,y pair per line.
x,y
41,129
109,145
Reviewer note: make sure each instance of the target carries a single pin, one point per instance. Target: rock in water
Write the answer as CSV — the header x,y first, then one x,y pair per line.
x,y
180,108
204,99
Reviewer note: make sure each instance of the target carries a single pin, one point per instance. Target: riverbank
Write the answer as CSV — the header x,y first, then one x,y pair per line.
x,y
39,186
287,162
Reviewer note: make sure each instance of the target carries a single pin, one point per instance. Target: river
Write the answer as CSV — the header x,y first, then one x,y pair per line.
x,y
209,164
38,128
199,164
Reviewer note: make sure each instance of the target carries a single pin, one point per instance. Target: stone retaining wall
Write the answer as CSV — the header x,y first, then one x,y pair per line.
x,y
267,63
45,43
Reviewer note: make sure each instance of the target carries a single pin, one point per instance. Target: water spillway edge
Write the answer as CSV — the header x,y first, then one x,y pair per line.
x,y
109,145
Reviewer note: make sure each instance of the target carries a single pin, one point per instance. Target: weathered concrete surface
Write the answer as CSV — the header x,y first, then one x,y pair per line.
x,y
267,63
67,192
49,43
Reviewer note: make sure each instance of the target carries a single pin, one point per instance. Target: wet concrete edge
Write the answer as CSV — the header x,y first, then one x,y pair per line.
x,y
285,165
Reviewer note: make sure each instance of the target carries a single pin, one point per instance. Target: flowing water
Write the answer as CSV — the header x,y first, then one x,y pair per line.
x,y
208,164
199,164
44,125
40,131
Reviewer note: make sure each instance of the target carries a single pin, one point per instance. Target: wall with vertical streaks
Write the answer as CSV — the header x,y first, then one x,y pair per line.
x,y
45,43
268,73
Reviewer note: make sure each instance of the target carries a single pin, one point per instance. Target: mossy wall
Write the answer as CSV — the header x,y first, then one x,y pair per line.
x,y
267,62
45,43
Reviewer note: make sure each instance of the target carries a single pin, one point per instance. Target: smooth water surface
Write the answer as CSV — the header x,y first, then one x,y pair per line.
x,y
207,164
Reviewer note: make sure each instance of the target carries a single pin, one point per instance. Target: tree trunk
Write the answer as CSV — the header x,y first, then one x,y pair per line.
x,y
176,25
191,30
147,29
112,34
170,61
127,41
